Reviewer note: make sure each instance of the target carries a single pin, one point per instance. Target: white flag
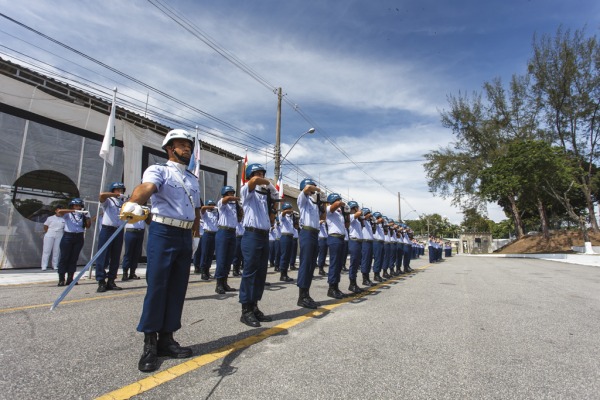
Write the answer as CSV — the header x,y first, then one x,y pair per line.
x,y
107,151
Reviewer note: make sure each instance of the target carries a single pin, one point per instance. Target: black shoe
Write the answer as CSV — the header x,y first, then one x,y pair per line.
x,y
344,269
125,277
149,360
307,302
285,278
378,278
322,272
101,286
220,289
354,287
61,283
260,315
248,316
205,277
276,269
293,268
167,346
334,293
386,275
133,276
196,270
227,287
236,271
267,283
111,285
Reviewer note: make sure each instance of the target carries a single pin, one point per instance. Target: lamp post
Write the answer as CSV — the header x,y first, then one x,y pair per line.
x,y
279,159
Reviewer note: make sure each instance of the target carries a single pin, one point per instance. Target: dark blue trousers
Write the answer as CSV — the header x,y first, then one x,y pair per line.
x,y
238,260
169,251
208,250
70,247
407,255
197,259
111,256
345,255
255,250
377,256
399,255
274,252
322,253
431,254
285,248
336,253
294,252
134,243
366,257
224,251
387,255
309,247
355,250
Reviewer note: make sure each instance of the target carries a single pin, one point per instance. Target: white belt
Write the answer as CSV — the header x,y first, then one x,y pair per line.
x,y
178,223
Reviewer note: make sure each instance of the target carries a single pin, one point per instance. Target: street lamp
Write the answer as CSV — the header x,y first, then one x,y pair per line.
x,y
279,160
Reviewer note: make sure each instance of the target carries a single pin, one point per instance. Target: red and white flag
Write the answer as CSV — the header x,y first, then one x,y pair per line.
x,y
279,186
243,180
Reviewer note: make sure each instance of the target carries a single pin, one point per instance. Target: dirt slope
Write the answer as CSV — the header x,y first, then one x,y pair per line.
x,y
559,242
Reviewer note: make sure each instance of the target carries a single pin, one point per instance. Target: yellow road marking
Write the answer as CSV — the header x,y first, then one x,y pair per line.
x,y
176,371
85,299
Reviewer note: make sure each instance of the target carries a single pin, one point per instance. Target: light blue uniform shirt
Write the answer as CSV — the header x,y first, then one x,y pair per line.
x,y
227,214
378,232
323,230
239,229
136,225
210,220
112,209
335,221
355,228
287,224
170,199
255,209
367,231
74,222
309,212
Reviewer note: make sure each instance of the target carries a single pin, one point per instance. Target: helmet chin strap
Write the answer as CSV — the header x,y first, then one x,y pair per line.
x,y
182,160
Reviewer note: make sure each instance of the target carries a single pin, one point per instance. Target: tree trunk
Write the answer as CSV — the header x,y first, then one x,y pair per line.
x,y
516,216
543,219
590,206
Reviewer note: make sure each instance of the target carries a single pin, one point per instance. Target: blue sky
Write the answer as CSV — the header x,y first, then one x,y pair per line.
x,y
371,75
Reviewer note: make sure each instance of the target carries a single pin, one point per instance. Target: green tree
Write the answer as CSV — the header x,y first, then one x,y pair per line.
x,y
566,69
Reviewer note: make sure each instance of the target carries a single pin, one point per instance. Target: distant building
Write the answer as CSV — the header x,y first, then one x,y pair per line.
x,y
475,243
49,146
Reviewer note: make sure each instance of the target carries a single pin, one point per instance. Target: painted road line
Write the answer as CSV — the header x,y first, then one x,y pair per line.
x,y
176,371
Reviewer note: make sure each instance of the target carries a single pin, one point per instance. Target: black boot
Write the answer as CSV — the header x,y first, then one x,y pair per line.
x,y
227,287
304,300
293,267
149,360
248,316
354,287
378,278
101,286
284,277
386,275
167,346
366,281
111,285
322,271
236,270
61,280
260,316
125,276
70,278
334,292
196,269
206,274
133,276
220,289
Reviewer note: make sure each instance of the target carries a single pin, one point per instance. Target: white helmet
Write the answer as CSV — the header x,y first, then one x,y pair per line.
x,y
177,134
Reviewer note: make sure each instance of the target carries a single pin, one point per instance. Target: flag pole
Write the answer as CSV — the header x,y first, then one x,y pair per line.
x,y
110,130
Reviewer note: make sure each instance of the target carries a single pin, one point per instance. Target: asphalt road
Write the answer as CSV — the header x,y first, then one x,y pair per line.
x,y
466,328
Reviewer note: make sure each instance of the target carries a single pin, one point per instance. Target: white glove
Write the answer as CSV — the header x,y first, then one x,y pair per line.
x,y
133,212
273,190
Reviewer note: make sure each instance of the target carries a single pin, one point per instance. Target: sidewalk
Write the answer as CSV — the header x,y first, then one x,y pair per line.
x,y
36,275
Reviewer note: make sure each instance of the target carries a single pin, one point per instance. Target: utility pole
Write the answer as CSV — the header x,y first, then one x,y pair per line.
x,y
278,137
